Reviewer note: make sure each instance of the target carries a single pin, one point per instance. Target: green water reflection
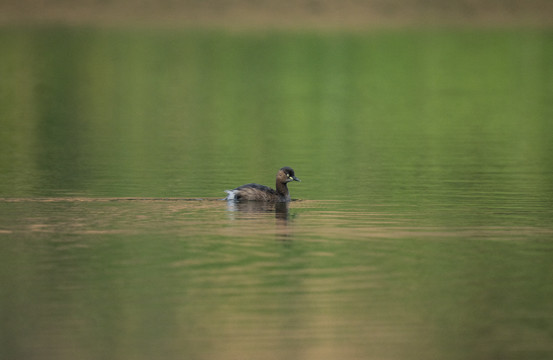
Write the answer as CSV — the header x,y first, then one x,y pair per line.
x,y
423,228
146,113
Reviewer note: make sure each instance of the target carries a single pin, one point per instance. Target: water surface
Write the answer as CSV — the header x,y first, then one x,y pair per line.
x,y
422,227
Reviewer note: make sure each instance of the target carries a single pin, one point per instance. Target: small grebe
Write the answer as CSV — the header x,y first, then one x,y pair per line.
x,y
264,193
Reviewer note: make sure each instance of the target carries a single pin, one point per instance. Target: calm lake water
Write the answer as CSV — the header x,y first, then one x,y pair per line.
x,y
422,228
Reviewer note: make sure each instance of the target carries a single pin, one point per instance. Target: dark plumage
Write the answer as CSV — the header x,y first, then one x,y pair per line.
x,y
258,192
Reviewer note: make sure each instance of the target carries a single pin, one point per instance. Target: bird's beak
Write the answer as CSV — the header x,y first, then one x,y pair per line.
x,y
295,178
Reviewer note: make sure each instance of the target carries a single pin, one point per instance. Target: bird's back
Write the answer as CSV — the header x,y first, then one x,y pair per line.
x,y
255,192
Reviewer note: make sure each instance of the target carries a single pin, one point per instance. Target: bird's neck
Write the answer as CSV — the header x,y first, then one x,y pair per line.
x,y
282,189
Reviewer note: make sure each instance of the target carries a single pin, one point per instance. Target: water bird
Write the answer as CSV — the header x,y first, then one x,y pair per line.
x,y
258,192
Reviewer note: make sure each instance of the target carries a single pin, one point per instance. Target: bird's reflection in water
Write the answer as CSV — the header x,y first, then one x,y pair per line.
x,y
259,207
260,210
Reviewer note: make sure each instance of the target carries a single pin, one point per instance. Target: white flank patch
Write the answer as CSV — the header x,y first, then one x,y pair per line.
x,y
231,194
